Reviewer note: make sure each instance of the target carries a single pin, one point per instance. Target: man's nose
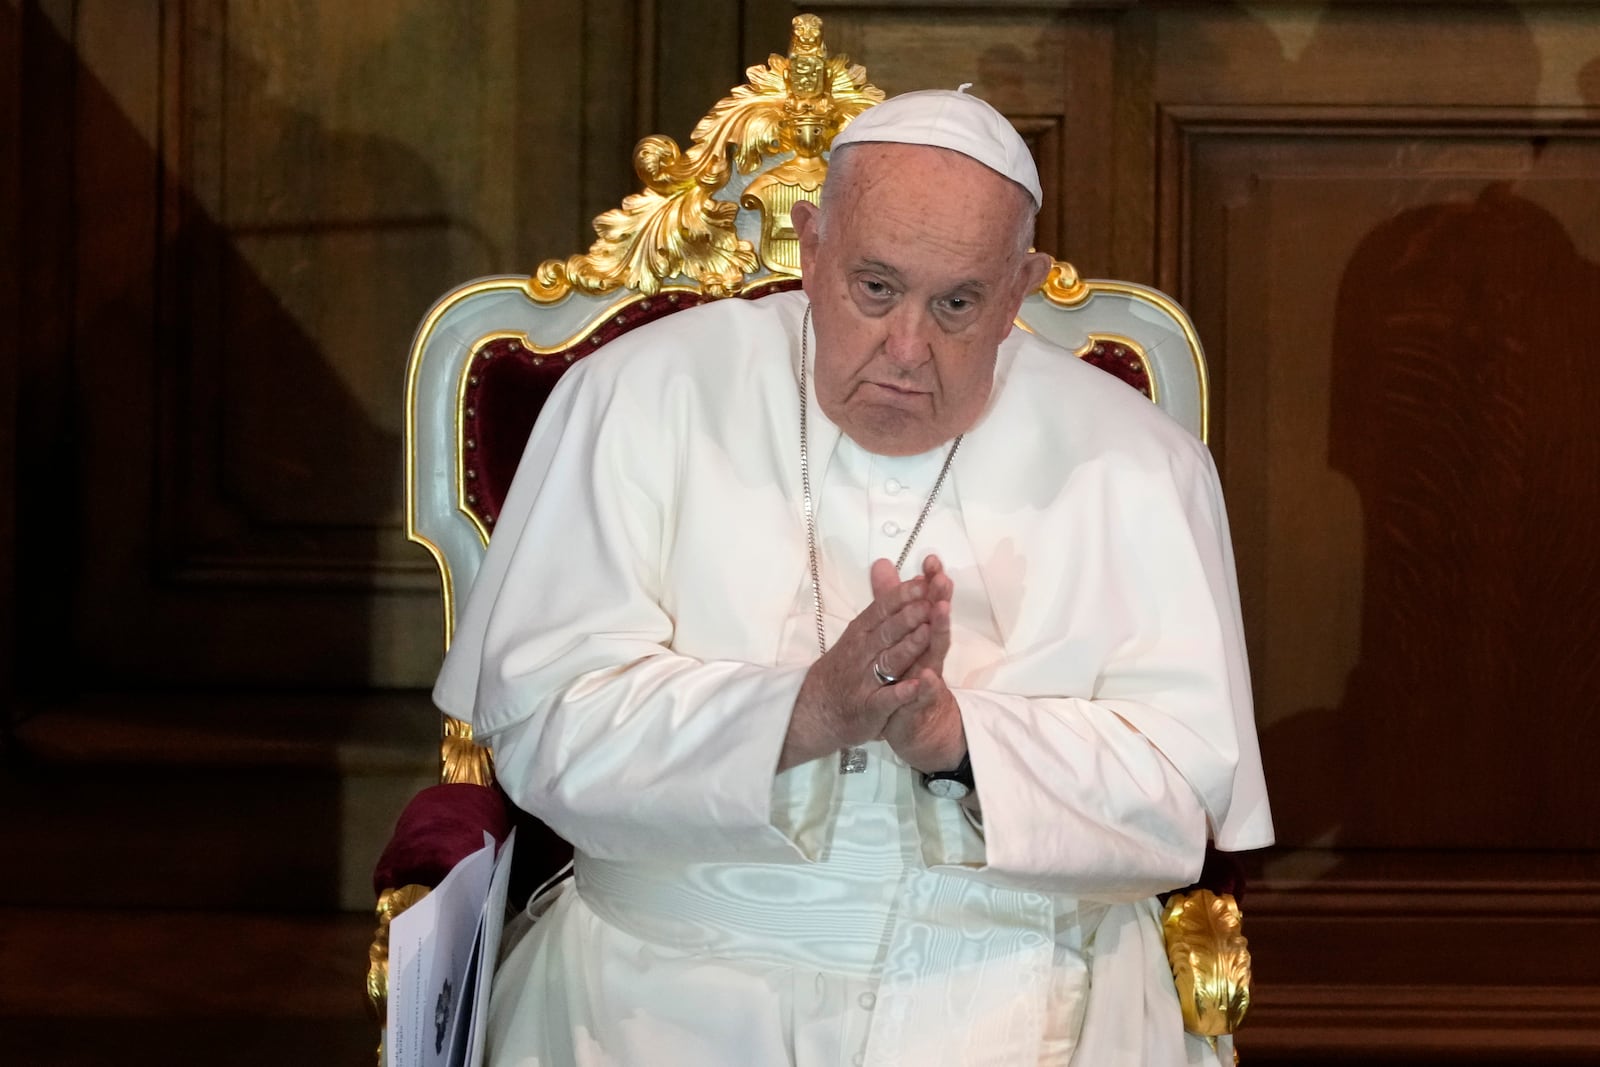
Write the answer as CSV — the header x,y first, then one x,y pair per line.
x,y
908,342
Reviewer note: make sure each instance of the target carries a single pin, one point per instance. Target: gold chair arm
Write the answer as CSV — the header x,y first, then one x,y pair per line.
x,y
461,758
1210,961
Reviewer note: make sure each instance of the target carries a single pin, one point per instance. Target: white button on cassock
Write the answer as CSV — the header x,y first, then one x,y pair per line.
x,y
891,528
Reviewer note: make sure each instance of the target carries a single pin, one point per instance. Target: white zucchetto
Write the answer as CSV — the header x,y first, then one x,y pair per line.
x,y
953,119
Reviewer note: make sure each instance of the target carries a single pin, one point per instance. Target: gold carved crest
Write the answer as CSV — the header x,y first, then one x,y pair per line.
x,y
793,105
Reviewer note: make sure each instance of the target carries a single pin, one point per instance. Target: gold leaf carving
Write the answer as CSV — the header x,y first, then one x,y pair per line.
x,y
675,224
463,759
1210,961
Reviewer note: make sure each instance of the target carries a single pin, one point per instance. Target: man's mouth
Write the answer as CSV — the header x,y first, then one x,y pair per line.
x,y
899,390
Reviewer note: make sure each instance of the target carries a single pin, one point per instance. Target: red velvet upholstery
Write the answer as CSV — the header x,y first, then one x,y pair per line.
x,y
441,826
1121,362
444,824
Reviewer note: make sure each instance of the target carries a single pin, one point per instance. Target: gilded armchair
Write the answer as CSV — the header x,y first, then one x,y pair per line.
x,y
712,222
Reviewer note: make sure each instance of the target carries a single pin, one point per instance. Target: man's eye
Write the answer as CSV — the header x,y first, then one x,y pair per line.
x,y
876,289
957,305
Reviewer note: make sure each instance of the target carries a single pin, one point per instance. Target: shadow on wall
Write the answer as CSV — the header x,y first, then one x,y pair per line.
x,y
209,400
1463,405
211,445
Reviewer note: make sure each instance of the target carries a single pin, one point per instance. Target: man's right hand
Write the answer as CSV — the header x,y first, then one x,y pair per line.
x,y
841,703
940,591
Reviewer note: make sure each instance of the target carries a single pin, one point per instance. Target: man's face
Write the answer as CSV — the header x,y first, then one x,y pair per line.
x,y
913,285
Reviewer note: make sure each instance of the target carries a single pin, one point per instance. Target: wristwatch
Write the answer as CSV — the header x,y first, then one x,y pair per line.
x,y
951,785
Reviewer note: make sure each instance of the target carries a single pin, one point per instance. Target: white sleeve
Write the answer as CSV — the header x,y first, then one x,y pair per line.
x,y
563,661
1112,793
1074,800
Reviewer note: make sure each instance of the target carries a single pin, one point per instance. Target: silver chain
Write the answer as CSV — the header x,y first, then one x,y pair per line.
x,y
851,760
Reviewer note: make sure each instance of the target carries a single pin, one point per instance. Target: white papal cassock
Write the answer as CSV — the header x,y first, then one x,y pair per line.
x,y
636,638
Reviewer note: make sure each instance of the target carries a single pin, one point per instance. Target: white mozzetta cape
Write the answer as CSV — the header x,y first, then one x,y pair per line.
x,y
622,651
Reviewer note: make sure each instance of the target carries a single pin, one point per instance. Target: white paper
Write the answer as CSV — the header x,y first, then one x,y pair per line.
x,y
430,946
486,954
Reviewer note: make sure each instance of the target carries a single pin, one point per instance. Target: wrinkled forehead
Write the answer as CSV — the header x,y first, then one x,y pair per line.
x,y
927,210
922,174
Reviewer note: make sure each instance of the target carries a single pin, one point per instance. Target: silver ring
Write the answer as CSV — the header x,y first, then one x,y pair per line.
x,y
883,679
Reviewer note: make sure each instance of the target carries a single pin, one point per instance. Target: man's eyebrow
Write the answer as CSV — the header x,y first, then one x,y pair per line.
x,y
972,287
879,267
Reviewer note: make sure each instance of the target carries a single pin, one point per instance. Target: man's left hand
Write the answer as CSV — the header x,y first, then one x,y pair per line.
x,y
925,730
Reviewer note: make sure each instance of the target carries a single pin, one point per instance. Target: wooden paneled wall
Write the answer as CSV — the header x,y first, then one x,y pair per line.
x,y
237,214
1386,223
1385,220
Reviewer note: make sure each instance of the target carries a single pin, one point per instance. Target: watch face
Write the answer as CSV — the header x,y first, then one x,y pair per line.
x,y
948,788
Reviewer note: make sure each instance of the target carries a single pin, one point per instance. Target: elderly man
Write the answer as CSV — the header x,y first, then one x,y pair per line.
x,y
881,661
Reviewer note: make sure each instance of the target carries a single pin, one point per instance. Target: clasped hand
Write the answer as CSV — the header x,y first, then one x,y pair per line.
x,y
905,632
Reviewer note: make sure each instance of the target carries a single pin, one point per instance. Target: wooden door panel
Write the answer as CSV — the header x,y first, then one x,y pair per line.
x,y
1394,266
1398,354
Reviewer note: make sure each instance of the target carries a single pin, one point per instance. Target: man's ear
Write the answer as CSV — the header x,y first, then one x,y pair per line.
x,y
802,216
806,219
1035,269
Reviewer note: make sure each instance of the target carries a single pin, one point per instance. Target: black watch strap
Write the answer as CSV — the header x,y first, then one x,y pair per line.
x,y
952,784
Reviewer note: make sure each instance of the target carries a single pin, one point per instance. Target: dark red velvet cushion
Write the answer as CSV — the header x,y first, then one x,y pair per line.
x,y
1121,362
441,826
444,824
